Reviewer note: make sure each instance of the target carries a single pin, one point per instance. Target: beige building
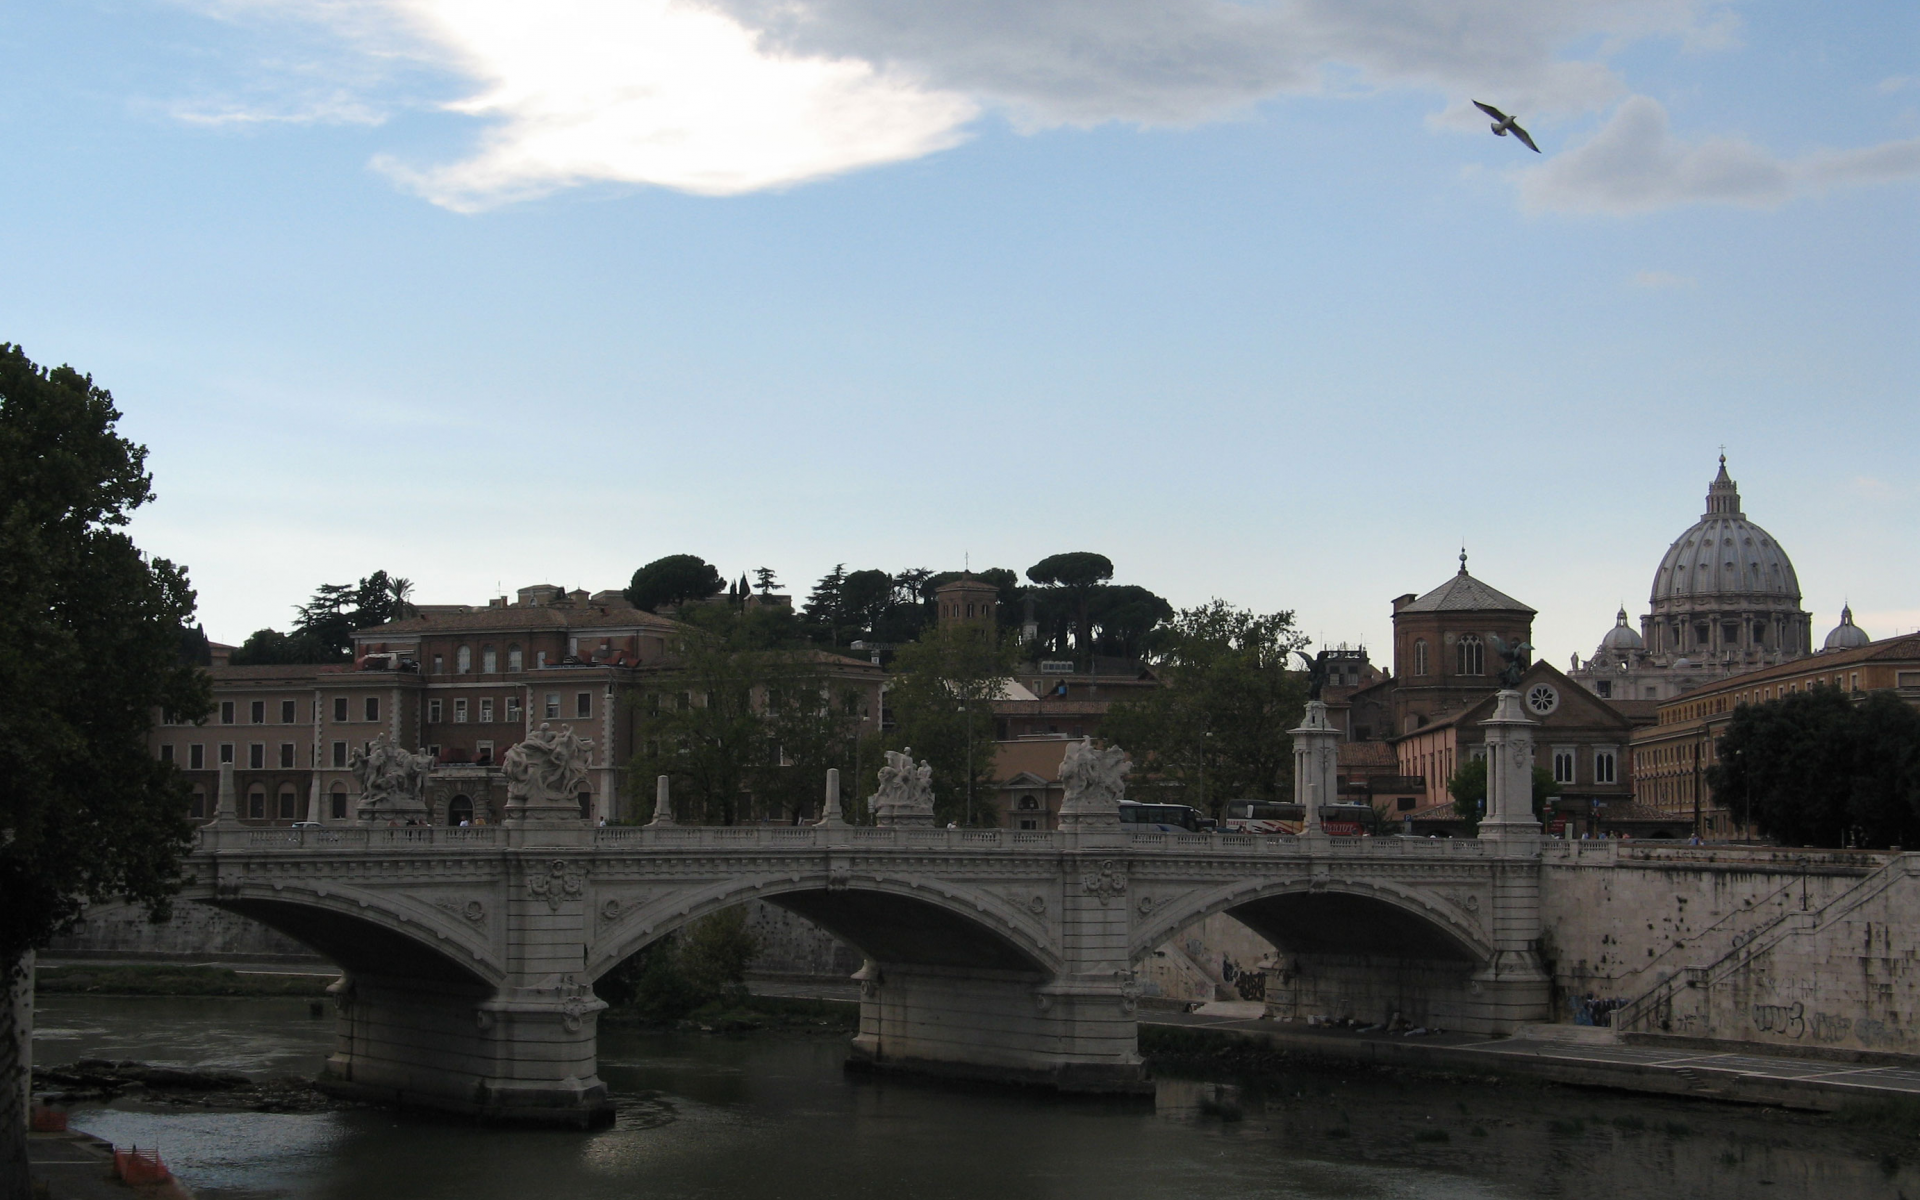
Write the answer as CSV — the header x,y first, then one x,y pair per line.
x,y
1671,756
463,683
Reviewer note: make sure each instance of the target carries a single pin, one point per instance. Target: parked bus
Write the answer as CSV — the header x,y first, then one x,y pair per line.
x,y
1267,816
1166,818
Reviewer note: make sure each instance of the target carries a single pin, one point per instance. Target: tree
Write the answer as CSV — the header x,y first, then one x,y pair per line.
x,y
941,699
1815,769
746,720
1468,787
1077,573
765,580
1216,729
91,639
1126,616
673,580
323,632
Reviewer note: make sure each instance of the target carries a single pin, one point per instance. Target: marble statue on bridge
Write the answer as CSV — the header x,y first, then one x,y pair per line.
x,y
546,774
1095,781
393,781
906,791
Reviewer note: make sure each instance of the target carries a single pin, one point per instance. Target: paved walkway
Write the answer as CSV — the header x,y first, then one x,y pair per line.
x,y
1593,1057
79,1166
1561,1053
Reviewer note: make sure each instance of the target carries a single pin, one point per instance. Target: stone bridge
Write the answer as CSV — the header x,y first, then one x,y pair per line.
x,y
470,954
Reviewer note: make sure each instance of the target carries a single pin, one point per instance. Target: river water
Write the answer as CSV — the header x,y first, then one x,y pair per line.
x,y
773,1117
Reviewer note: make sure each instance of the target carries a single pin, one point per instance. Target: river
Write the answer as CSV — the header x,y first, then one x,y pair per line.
x,y
772,1117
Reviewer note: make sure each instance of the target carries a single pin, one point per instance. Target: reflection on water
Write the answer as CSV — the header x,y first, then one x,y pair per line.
x,y
772,1118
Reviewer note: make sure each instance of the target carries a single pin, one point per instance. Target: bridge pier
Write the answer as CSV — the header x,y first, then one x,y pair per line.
x,y
1073,1034
524,1055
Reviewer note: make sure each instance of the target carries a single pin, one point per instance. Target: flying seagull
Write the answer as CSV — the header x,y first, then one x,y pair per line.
x,y
1503,125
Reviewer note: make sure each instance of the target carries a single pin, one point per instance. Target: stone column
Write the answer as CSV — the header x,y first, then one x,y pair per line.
x,y
1315,760
314,809
830,815
226,808
1509,771
662,802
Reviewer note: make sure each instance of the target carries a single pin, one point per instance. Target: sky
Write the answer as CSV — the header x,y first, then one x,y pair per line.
x,y
1246,296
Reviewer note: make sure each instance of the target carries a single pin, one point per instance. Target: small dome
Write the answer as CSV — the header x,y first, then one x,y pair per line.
x,y
1846,635
1621,638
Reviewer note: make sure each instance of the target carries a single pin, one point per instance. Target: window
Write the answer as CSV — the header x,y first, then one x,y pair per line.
x,y
483,752
338,803
460,810
289,711
514,661
226,712
166,754
486,709
196,757
339,754
513,708
583,704
257,712
463,660
553,704
460,710
287,802
433,711
539,659
286,755
1605,767
1471,655
257,803
1603,688
199,808
1420,656
256,756
373,708
488,662
340,708
439,665
1563,764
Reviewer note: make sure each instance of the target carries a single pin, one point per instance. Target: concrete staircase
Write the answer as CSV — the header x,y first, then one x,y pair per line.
x,y
1646,1013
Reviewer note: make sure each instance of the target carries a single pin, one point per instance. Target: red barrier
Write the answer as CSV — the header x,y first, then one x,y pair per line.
x,y
48,1120
134,1165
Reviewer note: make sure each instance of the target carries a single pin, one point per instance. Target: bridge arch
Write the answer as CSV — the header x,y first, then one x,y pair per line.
x,y
1330,916
888,919
368,932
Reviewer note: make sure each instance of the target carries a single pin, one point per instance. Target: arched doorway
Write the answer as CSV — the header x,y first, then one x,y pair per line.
x,y
338,803
460,810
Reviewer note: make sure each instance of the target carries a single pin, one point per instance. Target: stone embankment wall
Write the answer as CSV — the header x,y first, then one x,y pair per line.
x,y
195,933
1785,947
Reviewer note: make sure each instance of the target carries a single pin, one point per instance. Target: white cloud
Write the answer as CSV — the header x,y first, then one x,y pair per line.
x,y
1661,279
660,92
1634,164
720,97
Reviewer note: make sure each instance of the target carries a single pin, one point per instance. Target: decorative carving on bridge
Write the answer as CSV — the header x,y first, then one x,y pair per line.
x,y
1109,882
563,881
546,775
1095,782
905,796
1145,905
1038,905
610,910
393,781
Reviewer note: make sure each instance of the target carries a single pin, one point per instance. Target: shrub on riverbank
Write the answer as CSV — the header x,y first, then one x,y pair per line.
x,y
703,965
168,980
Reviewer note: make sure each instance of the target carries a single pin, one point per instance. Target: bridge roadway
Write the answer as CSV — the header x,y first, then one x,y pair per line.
x,y
469,955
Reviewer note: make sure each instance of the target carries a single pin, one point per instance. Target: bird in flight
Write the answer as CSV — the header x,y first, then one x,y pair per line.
x,y
1503,125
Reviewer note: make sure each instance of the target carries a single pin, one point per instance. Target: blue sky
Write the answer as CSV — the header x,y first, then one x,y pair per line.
x,y
1240,295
